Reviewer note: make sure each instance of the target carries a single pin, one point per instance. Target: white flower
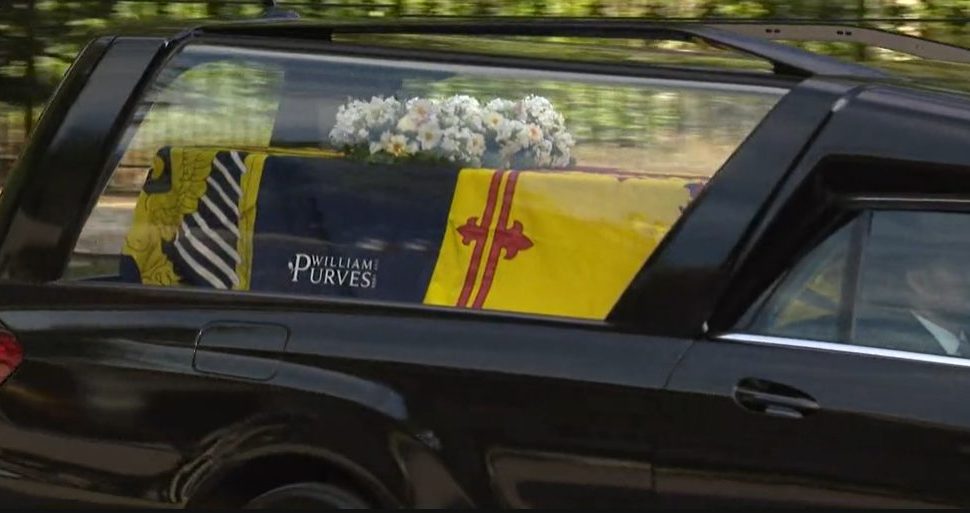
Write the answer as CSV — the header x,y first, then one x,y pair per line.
x,y
420,109
507,129
429,135
534,132
537,103
372,114
449,146
476,145
519,111
448,120
380,110
407,124
396,145
475,122
499,104
462,102
449,142
493,120
457,128
564,142
357,120
549,118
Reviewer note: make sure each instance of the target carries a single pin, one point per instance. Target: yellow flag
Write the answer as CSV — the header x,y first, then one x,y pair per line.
x,y
557,243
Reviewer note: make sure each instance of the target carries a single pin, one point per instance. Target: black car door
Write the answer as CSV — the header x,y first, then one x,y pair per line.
x,y
137,398
845,385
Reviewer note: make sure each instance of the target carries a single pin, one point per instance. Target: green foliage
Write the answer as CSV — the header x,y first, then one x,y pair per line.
x,y
204,105
39,38
629,116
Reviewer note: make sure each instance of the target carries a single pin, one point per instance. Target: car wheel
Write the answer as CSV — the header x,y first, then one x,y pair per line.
x,y
306,496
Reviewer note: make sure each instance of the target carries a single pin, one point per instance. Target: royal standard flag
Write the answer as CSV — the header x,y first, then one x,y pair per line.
x,y
291,221
558,243
564,243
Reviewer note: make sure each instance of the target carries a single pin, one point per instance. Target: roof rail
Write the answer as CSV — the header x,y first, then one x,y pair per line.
x,y
785,60
805,31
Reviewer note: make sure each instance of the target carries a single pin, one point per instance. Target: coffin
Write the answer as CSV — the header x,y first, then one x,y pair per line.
x,y
311,222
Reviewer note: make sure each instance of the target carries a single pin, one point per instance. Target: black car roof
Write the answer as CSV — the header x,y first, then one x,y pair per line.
x,y
785,59
754,38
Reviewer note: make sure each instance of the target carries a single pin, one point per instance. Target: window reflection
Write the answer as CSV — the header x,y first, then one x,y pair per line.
x,y
414,182
913,292
808,302
915,289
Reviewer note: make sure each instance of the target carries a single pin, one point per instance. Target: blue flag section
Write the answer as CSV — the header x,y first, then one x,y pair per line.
x,y
341,228
288,221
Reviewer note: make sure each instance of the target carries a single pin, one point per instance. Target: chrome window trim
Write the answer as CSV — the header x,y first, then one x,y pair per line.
x,y
838,347
912,199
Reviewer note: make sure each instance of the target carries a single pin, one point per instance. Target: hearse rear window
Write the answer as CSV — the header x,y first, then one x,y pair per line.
x,y
417,182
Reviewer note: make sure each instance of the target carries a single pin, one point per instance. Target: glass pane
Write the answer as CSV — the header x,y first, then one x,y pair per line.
x,y
808,302
418,182
915,289
225,101
674,53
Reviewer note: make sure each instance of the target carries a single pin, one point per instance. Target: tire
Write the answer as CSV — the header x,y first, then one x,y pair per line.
x,y
307,496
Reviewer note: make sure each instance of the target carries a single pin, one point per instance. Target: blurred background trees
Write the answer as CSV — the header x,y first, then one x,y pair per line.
x,y
39,38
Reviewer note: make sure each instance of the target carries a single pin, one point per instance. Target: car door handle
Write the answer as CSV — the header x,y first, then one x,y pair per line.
x,y
775,399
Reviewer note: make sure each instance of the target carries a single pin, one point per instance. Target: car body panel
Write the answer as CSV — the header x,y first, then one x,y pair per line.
x,y
102,373
888,432
689,266
885,433
432,407
73,149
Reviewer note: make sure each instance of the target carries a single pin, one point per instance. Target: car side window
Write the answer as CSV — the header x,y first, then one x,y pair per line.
x,y
225,101
912,291
412,182
808,302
